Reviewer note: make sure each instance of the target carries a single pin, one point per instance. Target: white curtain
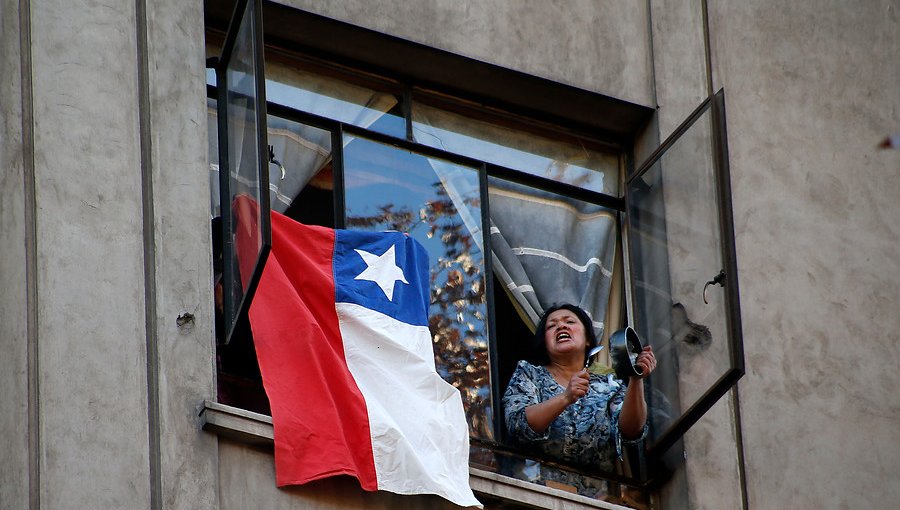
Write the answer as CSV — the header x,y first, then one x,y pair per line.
x,y
546,249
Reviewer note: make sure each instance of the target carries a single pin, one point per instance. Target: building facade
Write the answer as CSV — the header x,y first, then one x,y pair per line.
x,y
110,382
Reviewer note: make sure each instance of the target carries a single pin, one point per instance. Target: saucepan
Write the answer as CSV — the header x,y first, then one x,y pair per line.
x,y
624,347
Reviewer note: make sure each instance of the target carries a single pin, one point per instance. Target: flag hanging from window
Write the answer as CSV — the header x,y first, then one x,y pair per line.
x,y
340,323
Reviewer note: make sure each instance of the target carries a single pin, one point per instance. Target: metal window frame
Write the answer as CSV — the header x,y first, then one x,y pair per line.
x,y
715,103
617,137
233,313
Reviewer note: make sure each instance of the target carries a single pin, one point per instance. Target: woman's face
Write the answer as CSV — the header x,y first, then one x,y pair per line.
x,y
564,335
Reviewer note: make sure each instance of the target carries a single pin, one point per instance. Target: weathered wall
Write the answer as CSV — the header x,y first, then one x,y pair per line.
x,y
247,478
101,402
597,46
90,276
14,337
811,88
183,359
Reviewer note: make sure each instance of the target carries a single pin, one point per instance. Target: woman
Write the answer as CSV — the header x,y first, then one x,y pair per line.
x,y
566,412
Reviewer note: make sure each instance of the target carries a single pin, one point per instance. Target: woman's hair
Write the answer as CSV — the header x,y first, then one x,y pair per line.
x,y
540,346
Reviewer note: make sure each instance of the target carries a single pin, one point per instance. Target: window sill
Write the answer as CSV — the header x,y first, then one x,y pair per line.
x,y
256,430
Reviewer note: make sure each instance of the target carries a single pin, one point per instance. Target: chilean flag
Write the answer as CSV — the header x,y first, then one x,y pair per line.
x,y
340,323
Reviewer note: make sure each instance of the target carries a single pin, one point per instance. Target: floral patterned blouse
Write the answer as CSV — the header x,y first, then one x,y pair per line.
x,y
586,433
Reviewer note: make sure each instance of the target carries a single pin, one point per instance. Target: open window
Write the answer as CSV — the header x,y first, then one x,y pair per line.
x,y
684,289
243,163
497,196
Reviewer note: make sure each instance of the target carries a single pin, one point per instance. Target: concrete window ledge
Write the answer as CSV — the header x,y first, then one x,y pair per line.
x,y
256,429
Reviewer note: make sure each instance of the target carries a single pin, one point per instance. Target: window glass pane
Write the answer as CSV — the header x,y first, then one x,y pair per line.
x,y
301,168
302,154
245,162
305,152
212,119
333,98
676,249
557,477
438,204
549,249
565,161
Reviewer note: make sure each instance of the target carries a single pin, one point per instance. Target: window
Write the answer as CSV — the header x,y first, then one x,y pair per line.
x,y
518,205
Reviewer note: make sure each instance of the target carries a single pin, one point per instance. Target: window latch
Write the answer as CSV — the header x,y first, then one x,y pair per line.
x,y
718,280
276,162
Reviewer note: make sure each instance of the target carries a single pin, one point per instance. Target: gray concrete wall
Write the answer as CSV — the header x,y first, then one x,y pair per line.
x,y
247,478
90,277
101,388
810,91
811,88
597,46
14,338
176,163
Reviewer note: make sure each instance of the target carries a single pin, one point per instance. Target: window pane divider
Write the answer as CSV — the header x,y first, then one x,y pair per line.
x,y
496,397
560,188
337,176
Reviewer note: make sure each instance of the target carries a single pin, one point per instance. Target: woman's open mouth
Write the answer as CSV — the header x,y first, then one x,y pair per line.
x,y
563,336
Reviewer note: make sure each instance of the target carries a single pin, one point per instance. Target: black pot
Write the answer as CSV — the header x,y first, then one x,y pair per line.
x,y
624,347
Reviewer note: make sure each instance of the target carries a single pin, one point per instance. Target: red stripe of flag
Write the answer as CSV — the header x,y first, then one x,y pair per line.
x,y
319,414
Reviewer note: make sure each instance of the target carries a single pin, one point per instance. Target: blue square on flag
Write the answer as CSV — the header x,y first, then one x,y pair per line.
x,y
383,271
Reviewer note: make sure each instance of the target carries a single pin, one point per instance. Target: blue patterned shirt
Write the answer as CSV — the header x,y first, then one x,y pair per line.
x,y
586,433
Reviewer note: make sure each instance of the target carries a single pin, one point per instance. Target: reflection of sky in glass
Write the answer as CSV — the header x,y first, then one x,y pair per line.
x,y
506,156
538,156
332,99
392,189
366,109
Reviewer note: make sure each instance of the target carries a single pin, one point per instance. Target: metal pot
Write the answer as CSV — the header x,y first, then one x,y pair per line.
x,y
624,347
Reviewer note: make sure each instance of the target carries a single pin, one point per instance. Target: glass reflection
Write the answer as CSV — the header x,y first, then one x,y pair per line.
x,y
564,161
243,156
335,99
438,204
304,152
675,239
549,474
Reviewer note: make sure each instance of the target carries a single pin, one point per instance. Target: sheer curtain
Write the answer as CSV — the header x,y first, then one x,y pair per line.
x,y
546,248
550,249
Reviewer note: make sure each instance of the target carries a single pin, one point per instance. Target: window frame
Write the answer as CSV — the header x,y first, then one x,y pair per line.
x,y
537,119
716,104
232,312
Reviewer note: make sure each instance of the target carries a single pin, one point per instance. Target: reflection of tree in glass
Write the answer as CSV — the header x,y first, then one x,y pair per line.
x,y
458,304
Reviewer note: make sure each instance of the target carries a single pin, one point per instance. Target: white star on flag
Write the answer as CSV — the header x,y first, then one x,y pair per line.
x,y
383,270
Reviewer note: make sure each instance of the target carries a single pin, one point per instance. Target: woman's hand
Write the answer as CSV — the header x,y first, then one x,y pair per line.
x,y
540,415
634,408
578,386
646,361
